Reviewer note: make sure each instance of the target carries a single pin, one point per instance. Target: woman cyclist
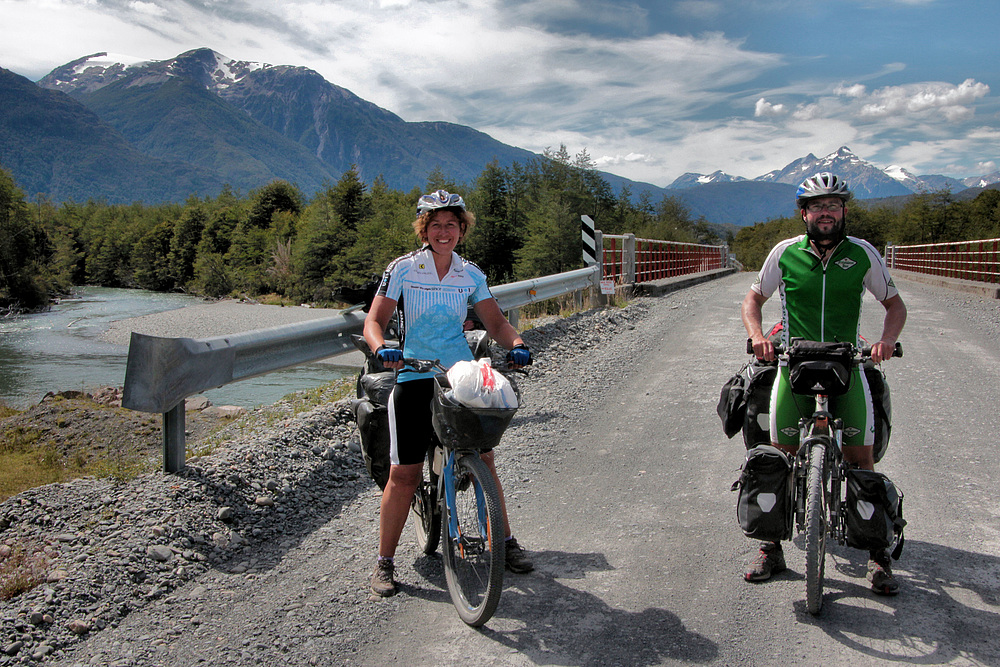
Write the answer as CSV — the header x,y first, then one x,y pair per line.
x,y
432,289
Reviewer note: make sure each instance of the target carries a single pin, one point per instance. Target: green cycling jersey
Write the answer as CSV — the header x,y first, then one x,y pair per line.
x,y
822,300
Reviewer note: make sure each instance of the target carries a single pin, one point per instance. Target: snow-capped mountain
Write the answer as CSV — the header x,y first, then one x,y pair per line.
x,y
866,179
211,69
253,122
981,181
691,179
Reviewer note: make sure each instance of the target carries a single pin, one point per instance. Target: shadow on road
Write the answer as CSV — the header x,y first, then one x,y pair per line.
x,y
559,624
948,608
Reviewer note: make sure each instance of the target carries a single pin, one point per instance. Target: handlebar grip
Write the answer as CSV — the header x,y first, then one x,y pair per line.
x,y
778,349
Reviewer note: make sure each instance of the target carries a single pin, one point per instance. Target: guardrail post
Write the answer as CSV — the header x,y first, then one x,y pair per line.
x,y
173,439
514,316
601,299
629,252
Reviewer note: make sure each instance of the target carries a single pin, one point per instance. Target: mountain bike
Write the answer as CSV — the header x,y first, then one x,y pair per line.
x,y
819,470
458,502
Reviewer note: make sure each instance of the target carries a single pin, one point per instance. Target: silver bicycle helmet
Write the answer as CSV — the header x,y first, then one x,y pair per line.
x,y
439,199
823,184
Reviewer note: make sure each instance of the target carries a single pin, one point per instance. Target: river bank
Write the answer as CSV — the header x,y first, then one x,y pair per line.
x,y
81,343
210,319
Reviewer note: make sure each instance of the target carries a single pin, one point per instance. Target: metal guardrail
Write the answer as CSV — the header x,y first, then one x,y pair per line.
x,y
161,372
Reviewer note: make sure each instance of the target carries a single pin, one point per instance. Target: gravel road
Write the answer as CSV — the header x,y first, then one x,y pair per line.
x,y
617,478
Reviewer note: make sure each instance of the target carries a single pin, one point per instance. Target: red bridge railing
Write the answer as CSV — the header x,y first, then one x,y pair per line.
x,y
978,261
654,259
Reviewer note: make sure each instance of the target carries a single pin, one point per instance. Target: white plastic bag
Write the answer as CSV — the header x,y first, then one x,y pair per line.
x,y
476,385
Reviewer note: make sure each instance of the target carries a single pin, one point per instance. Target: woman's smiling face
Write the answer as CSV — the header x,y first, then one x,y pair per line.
x,y
444,232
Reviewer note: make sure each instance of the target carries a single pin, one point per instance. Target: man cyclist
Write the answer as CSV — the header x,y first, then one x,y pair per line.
x,y
822,276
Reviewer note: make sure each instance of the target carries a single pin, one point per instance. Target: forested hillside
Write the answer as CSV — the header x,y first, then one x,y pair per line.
x,y
925,218
278,241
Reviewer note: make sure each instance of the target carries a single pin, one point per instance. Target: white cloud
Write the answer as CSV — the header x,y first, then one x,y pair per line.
x,y
952,102
150,8
856,90
763,108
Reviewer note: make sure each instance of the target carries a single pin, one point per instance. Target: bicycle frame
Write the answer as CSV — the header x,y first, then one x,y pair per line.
x,y
822,428
467,500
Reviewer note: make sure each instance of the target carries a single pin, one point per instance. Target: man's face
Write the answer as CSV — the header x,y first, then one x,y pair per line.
x,y
824,217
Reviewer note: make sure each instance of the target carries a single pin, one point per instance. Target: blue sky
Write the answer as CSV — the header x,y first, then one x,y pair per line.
x,y
649,89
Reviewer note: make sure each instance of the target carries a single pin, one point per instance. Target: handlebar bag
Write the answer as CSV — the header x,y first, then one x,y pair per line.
x,y
820,368
764,503
874,512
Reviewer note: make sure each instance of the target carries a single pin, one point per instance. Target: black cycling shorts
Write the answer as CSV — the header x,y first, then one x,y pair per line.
x,y
410,431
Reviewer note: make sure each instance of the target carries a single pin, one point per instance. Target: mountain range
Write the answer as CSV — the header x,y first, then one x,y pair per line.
x,y
121,129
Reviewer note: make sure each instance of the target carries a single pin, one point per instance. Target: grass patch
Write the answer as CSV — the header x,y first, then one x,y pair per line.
x,y
566,305
32,456
27,461
274,300
120,467
7,411
269,415
21,570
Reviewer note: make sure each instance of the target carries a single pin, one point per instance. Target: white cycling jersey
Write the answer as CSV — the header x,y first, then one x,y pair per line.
x,y
432,311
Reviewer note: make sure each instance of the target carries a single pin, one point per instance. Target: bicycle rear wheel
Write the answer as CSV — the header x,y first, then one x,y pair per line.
x,y
427,511
815,527
473,542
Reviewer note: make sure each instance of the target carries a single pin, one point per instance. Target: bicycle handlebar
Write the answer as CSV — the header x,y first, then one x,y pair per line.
x,y
865,352
428,365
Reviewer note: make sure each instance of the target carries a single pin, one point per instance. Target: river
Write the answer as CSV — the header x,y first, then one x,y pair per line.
x,y
61,349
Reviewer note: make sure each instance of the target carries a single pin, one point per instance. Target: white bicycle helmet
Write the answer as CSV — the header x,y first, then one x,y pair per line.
x,y
439,199
823,184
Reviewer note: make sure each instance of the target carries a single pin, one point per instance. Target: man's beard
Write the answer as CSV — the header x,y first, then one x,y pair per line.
x,y
830,239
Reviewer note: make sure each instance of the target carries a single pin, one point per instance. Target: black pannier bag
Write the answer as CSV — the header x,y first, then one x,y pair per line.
x,y
882,409
732,405
745,401
374,386
764,503
373,425
874,512
819,368
756,422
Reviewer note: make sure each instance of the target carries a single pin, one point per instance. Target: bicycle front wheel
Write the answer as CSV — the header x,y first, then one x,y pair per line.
x,y
815,527
473,542
427,511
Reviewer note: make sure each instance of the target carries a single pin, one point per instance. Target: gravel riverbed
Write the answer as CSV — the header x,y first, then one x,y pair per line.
x,y
277,482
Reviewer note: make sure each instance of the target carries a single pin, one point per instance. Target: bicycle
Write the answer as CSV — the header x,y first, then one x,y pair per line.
x,y
819,470
458,504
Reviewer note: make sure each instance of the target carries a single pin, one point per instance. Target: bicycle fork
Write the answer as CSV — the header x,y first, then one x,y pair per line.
x,y
820,430
450,497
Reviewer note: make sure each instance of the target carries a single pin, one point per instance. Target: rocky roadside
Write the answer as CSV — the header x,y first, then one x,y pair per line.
x,y
275,480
